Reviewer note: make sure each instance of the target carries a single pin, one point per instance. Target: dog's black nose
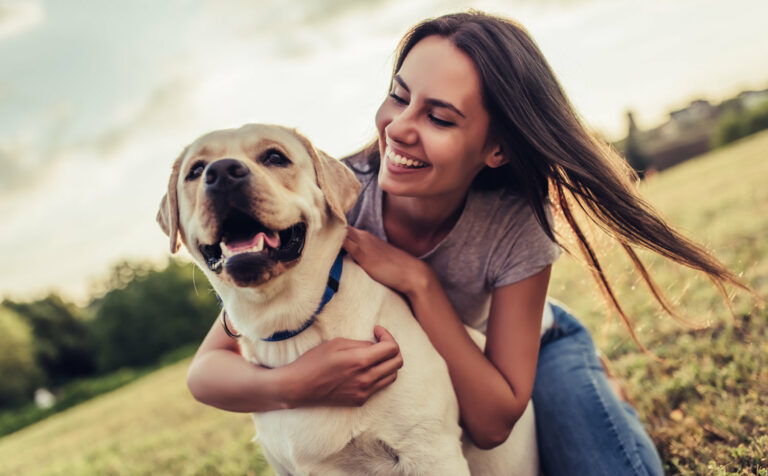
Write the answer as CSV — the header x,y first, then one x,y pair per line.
x,y
224,174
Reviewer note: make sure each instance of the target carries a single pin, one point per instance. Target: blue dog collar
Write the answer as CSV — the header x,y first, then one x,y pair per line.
x,y
334,277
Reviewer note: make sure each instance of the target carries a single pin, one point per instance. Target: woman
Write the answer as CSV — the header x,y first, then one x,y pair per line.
x,y
474,136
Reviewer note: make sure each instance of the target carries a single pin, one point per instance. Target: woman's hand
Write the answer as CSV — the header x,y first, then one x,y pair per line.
x,y
386,263
344,372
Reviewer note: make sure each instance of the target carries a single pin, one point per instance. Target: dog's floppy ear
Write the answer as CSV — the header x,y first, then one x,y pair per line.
x,y
168,215
337,182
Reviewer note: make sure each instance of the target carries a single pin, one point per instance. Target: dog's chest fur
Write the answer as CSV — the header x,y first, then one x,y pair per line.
x,y
379,432
337,319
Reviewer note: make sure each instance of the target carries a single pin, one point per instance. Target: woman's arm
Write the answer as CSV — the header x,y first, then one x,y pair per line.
x,y
493,389
341,372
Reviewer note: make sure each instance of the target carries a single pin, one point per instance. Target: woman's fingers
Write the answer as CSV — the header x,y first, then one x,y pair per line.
x,y
375,378
383,382
342,343
385,368
382,335
352,244
374,354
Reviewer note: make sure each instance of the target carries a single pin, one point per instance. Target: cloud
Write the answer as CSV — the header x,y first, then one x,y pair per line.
x,y
13,168
28,156
167,105
17,17
33,149
296,31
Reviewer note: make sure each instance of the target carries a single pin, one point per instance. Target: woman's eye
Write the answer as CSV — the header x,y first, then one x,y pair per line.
x,y
440,122
196,171
275,157
397,98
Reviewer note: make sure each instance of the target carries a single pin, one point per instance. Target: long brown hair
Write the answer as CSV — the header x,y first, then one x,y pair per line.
x,y
551,154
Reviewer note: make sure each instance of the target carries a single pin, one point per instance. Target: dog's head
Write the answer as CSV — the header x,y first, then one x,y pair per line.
x,y
245,202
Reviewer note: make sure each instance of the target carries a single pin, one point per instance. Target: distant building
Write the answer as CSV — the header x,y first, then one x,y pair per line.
x,y
687,133
697,112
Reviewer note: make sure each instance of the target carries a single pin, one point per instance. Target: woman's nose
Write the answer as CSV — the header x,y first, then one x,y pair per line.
x,y
402,129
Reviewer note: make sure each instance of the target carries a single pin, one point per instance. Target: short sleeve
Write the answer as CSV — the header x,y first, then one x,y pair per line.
x,y
363,214
523,248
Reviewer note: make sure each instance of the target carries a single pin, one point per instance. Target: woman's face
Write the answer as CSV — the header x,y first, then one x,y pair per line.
x,y
433,128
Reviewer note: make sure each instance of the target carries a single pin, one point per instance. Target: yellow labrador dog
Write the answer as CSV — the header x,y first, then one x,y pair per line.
x,y
262,213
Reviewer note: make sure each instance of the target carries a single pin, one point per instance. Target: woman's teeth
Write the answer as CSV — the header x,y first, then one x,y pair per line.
x,y
401,161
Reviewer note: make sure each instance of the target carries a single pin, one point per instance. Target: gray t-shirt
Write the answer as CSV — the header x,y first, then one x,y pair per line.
x,y
495,242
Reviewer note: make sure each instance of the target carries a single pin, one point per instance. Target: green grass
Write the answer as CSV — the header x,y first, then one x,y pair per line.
x,y
83,389
705,404
151,426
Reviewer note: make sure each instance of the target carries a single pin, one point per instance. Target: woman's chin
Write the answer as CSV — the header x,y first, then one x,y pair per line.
x,y
395,185
402,180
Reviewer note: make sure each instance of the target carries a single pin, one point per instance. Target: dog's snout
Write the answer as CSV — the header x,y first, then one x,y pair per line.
x,y
224,174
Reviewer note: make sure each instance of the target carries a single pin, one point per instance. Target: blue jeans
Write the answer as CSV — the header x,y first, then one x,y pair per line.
x,y
582,427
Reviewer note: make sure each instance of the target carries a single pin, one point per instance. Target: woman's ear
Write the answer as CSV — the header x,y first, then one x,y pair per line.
x,y
496,158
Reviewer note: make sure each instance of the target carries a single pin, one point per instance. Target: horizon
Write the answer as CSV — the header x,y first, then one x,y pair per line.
x,y
99,99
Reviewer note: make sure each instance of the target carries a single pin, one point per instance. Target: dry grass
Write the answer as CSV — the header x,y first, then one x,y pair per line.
x,y
706,402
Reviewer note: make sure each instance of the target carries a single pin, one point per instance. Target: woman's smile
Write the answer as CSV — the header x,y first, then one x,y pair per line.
x,y
400,163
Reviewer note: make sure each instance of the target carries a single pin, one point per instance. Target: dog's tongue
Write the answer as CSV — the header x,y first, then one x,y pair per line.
x,y
272,241
240,245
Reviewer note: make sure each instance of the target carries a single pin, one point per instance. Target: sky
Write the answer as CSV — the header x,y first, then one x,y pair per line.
x,y
98,97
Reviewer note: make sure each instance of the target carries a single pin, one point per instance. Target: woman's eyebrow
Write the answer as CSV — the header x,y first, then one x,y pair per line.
x,y
431,101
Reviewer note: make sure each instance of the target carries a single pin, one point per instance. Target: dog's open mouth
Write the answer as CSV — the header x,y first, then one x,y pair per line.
x,y
244,236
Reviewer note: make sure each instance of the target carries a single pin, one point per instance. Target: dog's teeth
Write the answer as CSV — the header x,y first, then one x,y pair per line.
x,y
259,244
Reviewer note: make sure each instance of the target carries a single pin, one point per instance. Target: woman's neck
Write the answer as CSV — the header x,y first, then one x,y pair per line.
x,y
418,224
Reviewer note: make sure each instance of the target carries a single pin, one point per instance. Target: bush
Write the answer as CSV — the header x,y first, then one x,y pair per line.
x,y
62,345
736,123
758,120
17,360
150,313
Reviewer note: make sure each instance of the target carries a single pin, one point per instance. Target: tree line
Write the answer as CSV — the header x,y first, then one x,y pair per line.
x,y
141,314
738,122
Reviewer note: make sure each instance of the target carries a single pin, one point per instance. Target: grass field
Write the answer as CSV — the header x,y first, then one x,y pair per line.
x,y
705,402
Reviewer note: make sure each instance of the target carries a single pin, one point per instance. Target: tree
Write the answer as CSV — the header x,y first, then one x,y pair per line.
x,y
736,123
17,360
635,157
62,344
151,313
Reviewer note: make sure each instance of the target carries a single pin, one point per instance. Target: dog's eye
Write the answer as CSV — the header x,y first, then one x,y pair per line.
x,y
275,157
196,171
